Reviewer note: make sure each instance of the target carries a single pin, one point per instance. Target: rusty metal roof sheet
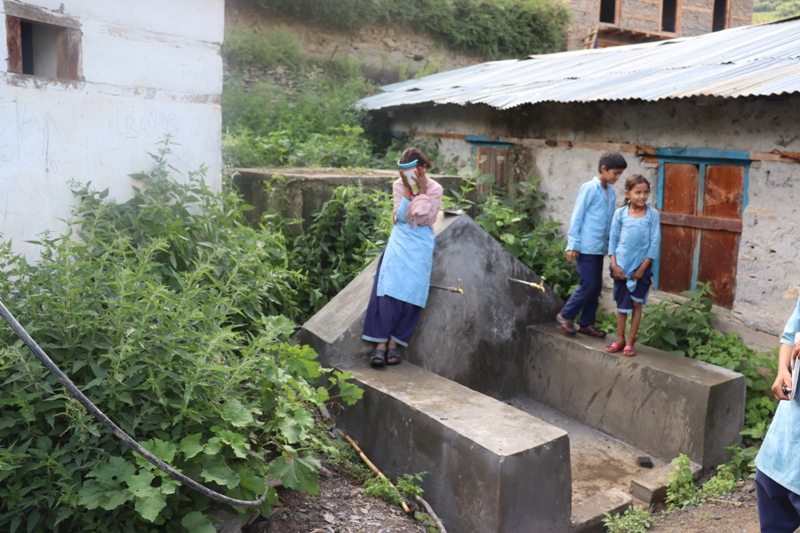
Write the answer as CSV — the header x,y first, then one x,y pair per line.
x,y
757,60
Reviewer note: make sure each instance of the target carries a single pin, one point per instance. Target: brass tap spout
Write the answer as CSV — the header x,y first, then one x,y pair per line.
x,y
539,285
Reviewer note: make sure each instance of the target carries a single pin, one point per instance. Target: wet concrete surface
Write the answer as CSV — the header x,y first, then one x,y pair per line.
x,y
599,462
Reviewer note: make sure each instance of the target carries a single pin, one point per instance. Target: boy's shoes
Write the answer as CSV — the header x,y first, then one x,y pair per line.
x,y
566,325
593,331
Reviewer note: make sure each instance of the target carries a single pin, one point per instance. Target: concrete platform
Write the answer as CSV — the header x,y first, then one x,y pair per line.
x,y
661,403
495,468
599,462
491,467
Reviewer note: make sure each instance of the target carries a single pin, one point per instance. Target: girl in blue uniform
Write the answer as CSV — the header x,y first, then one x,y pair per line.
x,y
402,280
633,246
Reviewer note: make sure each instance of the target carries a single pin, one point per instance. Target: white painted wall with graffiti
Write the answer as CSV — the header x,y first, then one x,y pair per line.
x,y
88,88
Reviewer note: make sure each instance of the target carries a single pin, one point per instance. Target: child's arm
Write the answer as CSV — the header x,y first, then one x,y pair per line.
x,y
640,271
788,352
613,240
578,213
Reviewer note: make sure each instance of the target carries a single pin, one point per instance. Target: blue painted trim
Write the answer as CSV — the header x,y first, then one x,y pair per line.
x,y
485,141
696,259
660,206
701,189
704,153
745,188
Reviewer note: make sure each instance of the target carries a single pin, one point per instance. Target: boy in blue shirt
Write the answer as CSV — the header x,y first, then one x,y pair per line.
x,y
587,244
777,462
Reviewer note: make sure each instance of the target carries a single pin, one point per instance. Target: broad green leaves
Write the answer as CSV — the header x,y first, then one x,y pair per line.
x,y
297,473
169,318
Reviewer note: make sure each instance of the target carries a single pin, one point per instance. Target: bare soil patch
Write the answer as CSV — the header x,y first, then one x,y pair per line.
x,y
340,507
736,512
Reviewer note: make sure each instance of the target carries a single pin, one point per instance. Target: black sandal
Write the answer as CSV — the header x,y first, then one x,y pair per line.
x,y
393,356
593,331
566,325
377,358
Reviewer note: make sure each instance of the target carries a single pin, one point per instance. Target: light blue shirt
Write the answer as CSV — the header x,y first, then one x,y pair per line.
x,y
591,218
778,457
407,262
632,240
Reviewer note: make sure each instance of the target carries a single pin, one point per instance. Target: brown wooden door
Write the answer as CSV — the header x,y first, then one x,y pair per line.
x,y
719,249
700,236
678,241
492,160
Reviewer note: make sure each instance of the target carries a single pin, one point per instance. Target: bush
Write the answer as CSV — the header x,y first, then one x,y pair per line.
x,y
497,28
263,48
633,520
350,230
163,310
317,123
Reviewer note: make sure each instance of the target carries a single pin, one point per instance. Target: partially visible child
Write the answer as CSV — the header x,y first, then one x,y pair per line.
x,y
587,244
633,246
777,462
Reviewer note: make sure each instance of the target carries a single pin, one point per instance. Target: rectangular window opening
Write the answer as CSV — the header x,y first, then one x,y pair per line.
x,y
669,13
720,17
41,49
608,11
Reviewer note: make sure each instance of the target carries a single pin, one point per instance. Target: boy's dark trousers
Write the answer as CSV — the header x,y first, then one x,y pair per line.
x,y
585,298
778,507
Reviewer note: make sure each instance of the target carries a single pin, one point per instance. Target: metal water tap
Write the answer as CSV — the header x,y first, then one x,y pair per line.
x,y
539,285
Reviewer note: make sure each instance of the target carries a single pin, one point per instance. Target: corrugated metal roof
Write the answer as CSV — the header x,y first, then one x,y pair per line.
x,y
758,60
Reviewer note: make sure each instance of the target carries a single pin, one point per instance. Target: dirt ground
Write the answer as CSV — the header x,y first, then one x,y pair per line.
x,y
731,513
341,507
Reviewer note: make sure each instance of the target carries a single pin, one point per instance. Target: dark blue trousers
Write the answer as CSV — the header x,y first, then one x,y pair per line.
x,y
778,507
586,297
389,317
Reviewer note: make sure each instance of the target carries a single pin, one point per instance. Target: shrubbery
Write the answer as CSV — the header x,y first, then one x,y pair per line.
x,y
164,311
496,28
317,123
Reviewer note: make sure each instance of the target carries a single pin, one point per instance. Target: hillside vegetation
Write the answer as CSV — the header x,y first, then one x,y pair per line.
x,y
770,10
496,28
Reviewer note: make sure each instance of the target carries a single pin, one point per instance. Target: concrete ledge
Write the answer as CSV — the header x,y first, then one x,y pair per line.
x,y
587,516
492,468
652,487
661,403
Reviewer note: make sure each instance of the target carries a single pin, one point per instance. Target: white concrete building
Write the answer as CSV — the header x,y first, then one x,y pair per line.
x,y
713,121
89,87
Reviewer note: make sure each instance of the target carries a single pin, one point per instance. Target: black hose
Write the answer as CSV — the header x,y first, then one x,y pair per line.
x,y
115,429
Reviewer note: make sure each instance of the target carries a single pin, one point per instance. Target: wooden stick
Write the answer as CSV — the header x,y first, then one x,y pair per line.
x,y
429,509
372,467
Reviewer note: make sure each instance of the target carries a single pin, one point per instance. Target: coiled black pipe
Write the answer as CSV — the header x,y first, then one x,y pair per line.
x,y
115,429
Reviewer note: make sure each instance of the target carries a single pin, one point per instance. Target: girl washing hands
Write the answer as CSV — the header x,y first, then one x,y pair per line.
x,y
633,246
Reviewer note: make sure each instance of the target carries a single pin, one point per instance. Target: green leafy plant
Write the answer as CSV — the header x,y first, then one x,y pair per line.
x,y
743,461
349,230
633,520
165,310
681,488
407,487
722,483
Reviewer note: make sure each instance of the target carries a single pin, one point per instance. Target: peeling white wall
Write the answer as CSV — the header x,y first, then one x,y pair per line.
x,y
150,69
768,270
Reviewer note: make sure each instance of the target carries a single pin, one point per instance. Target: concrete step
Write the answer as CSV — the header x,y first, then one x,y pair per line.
x,y
651,487
599,462
491,467
587,516
658,402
